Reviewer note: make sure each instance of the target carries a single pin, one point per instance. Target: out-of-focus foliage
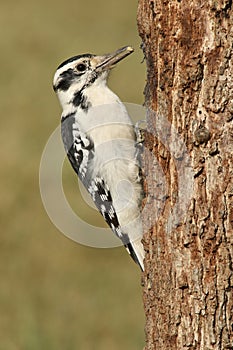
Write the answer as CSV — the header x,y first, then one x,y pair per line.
x,y
54,293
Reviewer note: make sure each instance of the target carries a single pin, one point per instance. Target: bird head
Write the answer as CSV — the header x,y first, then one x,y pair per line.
x,y
79,72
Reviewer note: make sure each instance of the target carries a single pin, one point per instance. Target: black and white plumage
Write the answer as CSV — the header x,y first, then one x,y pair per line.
x,y
99,140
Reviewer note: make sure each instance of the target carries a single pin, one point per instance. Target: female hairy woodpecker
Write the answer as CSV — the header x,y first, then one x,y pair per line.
x,y
100,142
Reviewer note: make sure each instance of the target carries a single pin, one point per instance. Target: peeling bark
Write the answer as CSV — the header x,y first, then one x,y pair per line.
x,y
188,214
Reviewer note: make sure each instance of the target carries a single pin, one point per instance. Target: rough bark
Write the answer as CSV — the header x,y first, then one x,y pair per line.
x,y
188,279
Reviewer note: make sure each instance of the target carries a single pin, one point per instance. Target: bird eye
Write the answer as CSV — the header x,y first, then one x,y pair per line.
x,y
81,67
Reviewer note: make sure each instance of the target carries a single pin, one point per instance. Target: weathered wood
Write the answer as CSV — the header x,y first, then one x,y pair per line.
x,y
188,282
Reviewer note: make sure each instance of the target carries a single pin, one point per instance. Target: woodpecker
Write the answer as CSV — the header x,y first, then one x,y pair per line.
x,y
100,141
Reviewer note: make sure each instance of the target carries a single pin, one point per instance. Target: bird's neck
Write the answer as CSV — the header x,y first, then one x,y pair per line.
x,y
96,94
100,94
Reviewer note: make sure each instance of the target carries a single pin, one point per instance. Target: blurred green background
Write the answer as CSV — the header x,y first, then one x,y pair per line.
x,y
55,293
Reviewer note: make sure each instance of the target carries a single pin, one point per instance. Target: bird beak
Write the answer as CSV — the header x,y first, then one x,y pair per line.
x,y
108,61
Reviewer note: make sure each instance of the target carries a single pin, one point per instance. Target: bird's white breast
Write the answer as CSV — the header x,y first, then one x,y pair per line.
x,y
110,128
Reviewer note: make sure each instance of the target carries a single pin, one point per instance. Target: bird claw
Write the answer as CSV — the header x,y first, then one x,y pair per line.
x,y
140,132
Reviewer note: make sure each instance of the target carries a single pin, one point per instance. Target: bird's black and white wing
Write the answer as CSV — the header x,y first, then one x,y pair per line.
x,y
80,152
79,148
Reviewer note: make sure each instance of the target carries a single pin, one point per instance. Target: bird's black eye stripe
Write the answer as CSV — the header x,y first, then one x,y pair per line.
x,y
65,81
81,67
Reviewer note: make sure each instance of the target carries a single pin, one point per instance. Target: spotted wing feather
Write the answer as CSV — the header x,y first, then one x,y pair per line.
x,y
80,152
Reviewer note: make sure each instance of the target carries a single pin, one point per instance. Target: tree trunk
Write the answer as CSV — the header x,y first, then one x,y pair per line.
x,y
188,165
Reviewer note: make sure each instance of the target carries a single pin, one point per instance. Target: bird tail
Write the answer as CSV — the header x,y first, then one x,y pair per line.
x,y
137,252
